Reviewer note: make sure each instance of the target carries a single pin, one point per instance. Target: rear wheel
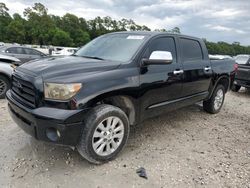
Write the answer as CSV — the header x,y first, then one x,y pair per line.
x,y
236,88
215,103
105,133
4,86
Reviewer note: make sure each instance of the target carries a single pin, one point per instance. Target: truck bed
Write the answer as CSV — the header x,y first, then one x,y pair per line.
x,y
223,66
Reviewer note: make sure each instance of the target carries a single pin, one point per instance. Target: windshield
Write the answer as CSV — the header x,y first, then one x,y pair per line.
x,y
115,47
241,59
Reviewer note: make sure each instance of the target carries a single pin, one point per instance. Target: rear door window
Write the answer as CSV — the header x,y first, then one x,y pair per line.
x,y
191,49
15,50
31,52
11,50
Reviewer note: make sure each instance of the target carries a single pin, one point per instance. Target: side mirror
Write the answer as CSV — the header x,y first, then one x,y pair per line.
x,y
159,58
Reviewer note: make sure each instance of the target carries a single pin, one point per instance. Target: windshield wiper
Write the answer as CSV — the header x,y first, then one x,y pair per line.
x,y
92,57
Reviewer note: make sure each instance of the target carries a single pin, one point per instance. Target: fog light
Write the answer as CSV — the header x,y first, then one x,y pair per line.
x,y
53,134
235,82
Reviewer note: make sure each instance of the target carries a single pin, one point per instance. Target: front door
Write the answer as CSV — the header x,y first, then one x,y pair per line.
x,y
161,85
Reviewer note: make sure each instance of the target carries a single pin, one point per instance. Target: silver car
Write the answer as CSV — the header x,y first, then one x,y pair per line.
x,y
24,54
7,65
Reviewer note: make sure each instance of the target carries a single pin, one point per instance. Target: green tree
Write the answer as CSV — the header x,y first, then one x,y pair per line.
x,y
15,31
77,29
38,25
5,19
81,38
176,30
61,38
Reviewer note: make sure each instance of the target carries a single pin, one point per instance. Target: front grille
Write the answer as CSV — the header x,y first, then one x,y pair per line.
x,y
24,90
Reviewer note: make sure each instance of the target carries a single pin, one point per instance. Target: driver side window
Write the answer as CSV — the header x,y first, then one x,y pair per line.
x,y
161,44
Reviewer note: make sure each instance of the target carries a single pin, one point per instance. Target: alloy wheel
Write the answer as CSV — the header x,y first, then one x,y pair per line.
x,y
107,136
3,87
218,99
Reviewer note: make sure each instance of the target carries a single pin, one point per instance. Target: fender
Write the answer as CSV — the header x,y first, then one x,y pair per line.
x,y
6,70
213,86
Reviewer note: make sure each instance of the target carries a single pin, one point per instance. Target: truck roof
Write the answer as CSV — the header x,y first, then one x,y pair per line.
x,y
155,33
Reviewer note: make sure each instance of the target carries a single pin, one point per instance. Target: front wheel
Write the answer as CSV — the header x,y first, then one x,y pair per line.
x,y
4,86
105,133
215,103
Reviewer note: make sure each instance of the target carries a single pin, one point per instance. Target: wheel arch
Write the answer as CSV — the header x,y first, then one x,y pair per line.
x,y
127,103
223,80
5,75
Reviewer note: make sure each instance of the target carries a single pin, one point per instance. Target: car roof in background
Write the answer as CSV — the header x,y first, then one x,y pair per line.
x,y
11,46
243,55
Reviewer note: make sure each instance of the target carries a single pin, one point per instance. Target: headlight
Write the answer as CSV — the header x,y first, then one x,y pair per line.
x,y
60,91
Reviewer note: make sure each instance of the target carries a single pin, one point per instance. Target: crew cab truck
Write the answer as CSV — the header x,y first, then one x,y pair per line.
x,y
89,100
242,76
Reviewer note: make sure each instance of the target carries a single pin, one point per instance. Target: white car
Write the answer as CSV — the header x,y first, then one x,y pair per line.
x,y
242,59
63,51
220,57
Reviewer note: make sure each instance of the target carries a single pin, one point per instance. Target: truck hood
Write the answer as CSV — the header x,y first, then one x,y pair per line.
x,y
53,67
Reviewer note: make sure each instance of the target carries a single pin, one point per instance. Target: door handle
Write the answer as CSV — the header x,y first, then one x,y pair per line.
x,y
207,68
176,72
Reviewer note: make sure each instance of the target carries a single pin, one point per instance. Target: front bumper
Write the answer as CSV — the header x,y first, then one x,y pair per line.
x,y
244,83
48,124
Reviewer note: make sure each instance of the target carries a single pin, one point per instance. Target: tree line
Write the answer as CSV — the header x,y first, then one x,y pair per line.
x,y
36,26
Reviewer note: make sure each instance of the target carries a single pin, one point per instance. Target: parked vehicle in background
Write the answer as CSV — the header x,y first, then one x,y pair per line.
x,y
242,77
90,99
1,43
216,56
59,51
7,65
24,54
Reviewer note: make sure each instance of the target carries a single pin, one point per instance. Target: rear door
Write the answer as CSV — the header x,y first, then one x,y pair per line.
x,y
196,66
160,86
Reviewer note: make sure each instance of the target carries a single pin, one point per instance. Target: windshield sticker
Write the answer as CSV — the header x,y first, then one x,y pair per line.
x,y
135,37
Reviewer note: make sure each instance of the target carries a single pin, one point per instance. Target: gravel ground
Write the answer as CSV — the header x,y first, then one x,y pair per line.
x,y
185,148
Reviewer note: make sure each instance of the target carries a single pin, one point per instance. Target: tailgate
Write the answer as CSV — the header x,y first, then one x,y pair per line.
x,y
243,72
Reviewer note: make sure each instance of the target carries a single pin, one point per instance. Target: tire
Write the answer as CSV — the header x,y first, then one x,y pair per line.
x,y
96,134
4,86
215,103
236,88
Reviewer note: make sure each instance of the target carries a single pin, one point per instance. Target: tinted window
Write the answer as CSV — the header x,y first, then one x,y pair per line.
x,y
11,50
15,50
162,44
191,49
31,51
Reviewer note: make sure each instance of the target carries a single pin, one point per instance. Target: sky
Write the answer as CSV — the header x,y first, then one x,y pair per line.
x,y
224,20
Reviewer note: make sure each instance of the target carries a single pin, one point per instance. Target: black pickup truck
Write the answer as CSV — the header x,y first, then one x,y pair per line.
x,y
242,76
89,100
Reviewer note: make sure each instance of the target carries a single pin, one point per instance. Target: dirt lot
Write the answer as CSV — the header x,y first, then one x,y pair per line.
x,y
186,148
